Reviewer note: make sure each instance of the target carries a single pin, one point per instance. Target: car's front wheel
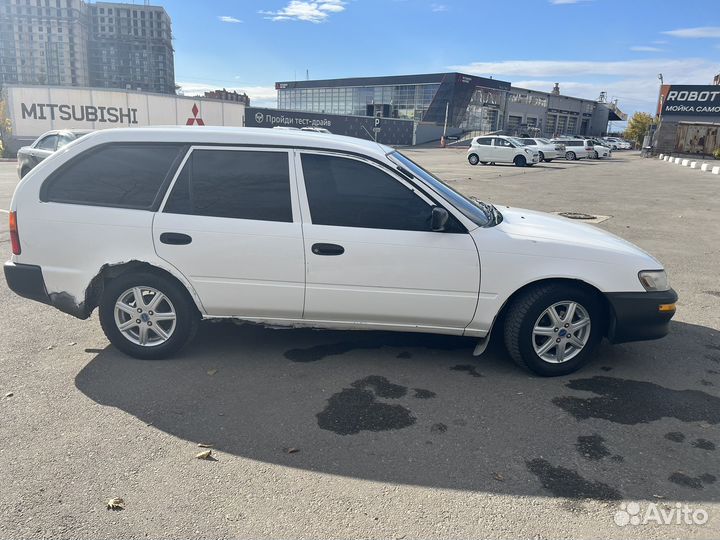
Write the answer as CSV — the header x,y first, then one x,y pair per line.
x,y
147,316
520,161
542,156
570,156
553,329
473,159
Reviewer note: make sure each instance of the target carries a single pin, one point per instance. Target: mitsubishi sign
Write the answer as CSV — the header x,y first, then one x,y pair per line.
x,y
689,100
33,110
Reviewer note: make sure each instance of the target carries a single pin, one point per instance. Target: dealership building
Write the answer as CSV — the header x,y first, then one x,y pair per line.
x,y
689,119
468,103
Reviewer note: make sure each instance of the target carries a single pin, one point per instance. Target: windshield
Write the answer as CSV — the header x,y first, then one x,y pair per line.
x,y
516,141
480,213
528,142
546,141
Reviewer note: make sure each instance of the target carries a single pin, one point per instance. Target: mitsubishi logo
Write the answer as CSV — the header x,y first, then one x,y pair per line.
x,y
259,117
195,119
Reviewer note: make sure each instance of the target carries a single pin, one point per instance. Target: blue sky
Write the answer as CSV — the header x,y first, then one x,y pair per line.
x,y
586,45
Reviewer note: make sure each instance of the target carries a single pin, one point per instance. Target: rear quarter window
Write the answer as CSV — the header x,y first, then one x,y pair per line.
x,y
119,175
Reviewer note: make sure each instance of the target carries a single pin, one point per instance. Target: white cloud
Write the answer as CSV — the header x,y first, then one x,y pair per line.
x,y
660,42
645,48
698,32
633,82
438,8
298,10
260,96
228,19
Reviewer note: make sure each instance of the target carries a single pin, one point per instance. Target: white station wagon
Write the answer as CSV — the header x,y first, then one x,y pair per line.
x,y
162,227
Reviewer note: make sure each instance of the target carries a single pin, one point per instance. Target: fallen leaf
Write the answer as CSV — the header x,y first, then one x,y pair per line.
x,y
49,347
292,450
9,394
116,503
212,371
205,445
205,454
499,477
72,343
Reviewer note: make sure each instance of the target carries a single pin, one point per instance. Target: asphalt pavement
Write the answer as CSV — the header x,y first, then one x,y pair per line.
x,y
320,434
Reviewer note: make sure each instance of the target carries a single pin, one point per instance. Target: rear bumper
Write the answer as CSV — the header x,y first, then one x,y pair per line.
x,y
636,315
27,280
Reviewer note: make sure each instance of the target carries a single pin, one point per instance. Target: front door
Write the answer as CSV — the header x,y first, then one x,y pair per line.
x,y
231,225
371,255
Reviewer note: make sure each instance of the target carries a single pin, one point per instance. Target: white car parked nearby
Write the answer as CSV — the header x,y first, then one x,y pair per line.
x,y
600,150
547,151
501,149
159,228
576,148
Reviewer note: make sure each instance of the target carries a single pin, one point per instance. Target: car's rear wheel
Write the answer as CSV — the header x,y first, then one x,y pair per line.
x,y
553,329
520,161
542,156
473,159
147,316
596,155
570,156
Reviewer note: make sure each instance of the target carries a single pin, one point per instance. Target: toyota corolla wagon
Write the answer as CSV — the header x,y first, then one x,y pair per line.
x,y
159,228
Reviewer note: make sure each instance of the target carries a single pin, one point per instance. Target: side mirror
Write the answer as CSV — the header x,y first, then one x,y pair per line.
x,y
439,219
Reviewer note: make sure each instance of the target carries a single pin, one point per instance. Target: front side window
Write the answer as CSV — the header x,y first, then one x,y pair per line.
x,y
48,143
234,184
122,175
503,143
345,192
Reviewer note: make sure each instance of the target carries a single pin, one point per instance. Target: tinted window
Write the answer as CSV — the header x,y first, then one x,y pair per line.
x,y
528,142
485,141
234,184
349,193
48,143
502,142
128,176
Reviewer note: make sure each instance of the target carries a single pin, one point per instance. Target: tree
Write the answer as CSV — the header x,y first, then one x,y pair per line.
x,y
5,127
638,126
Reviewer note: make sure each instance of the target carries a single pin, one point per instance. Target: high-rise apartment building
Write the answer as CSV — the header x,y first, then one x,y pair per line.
x,y
73,43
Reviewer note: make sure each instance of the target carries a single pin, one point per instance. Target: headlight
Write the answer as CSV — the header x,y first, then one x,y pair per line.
x,y
528,151
654,280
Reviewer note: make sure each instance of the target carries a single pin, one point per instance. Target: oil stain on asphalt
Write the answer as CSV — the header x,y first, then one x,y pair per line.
x,y
471,370
631,402
563,482
357,408
592,447
693,482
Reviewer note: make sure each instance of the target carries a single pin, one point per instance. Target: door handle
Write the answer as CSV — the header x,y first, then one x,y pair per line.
x,y
327,249
175,239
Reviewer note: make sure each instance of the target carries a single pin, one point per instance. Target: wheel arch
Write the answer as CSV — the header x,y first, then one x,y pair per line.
x,y
108,272
602,299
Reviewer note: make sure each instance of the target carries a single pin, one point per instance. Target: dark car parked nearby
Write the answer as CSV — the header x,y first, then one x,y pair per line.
x,y
47,143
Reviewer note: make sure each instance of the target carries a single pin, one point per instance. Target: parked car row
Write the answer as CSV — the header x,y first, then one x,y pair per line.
x,y
527,151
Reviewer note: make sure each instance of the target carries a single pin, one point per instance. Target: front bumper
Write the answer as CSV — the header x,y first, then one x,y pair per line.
x,y
636,316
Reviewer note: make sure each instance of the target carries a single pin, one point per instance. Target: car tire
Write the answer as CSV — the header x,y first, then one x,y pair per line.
x,y
176,300
527,324
596,155
542,156
520,161
570,156
473,159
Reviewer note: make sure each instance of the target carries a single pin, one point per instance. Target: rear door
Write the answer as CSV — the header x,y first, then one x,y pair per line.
x,y
371,256
231,225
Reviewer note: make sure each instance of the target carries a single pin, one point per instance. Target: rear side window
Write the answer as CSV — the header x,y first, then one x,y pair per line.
x,y
122,175
344,192
235,184
484,141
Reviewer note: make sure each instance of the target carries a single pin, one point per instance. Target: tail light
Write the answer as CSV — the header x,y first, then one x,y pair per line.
x,y
14,236
588,148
